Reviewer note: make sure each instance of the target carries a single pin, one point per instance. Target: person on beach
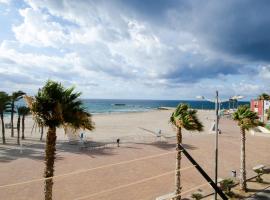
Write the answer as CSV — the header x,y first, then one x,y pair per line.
x,y
118,142
81,140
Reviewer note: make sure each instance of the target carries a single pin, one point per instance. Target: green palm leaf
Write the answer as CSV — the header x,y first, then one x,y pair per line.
x,y
186,118
246,118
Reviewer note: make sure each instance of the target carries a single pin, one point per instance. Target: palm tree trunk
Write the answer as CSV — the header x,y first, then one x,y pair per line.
x,y
178,165
23,125
18,129
41,134
49,160
11,120
243,184
3,129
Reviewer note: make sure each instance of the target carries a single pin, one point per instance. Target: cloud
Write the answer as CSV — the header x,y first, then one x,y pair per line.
x,y
5,1
37,30
139,44
237,28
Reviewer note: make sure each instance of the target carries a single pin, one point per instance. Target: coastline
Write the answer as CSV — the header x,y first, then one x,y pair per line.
x,y
121,124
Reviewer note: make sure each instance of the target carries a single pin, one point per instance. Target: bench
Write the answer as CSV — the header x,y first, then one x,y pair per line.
x,y
258,167
8,125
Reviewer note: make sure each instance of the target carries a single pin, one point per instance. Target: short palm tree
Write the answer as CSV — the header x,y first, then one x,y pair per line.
x,y
15,96
53,107
4,106
24,111
246,119
183,118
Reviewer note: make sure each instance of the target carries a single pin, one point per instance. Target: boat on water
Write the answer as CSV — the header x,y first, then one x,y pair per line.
x,y
119,104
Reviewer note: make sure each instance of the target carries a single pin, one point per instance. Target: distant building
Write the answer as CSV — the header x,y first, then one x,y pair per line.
x,y
261,108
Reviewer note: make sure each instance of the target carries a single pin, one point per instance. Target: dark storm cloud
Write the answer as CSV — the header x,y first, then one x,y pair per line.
x,y
153,12
154,8
193,72
237,28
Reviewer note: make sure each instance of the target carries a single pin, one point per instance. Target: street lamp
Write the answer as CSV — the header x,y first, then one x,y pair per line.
x,y
201,97
217,102
217,108
236,98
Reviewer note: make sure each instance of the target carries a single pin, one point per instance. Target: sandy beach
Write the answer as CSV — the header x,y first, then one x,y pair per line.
x,y
141,168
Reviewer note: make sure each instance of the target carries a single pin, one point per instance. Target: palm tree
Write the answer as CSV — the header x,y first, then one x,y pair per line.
x,y
185,118
23,111
246,119
4,105
18,125
53,107
264,96
15,96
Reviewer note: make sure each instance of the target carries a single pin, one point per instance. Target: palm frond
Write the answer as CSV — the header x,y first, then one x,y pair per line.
x,y
15,96
56,106
246,118
186,118
4,102
23,110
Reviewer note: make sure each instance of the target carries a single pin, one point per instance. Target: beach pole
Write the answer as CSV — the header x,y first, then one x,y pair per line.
x,y
216,142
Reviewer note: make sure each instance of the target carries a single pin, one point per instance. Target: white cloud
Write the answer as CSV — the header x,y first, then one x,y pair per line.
x,y
5,1
95,44
37,30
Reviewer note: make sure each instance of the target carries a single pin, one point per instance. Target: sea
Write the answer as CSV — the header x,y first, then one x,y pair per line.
x,y
96,106
99,106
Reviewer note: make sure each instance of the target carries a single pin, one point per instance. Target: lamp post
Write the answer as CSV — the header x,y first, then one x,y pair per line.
x,y
217,107
202,98
216,141
236,98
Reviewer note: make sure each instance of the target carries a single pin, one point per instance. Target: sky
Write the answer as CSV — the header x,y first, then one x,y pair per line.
x,y
137,49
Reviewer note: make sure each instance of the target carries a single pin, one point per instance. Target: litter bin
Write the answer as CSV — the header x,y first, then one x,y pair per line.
x,y
234,173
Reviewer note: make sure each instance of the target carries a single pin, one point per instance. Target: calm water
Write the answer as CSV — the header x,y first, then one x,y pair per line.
x,y
120,105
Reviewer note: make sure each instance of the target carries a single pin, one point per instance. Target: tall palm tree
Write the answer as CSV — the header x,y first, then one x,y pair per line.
x,y
183,118
4,105
15,96
24,111
53,107
264,96
246,119
18,125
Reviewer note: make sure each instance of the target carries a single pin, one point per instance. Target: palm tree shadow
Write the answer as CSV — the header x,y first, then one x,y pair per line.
x,y
99,152
90,148
10,154
36,151
165,145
